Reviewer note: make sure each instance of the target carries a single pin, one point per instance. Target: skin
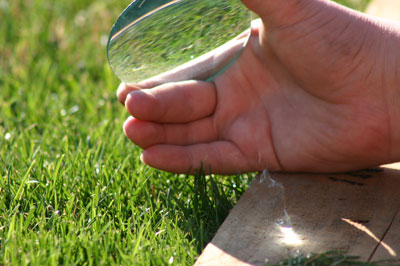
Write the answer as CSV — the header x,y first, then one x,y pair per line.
x,y
316,89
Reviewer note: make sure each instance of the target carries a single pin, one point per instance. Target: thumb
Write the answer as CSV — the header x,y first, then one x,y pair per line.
x,y
280,12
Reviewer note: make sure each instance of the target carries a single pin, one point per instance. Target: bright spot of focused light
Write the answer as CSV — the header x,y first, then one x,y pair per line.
x,y
290,237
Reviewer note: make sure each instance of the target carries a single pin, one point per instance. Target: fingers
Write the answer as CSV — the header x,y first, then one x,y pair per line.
x,y
220,157
282,12
123,91
179,102
146,134
266,8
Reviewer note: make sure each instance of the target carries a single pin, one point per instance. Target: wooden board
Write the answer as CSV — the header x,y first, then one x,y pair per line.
x,y
355,212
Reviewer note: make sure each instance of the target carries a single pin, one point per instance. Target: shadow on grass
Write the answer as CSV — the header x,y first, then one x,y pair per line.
x,y
204,211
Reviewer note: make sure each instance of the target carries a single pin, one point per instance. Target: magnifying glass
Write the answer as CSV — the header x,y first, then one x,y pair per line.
x,y
160,41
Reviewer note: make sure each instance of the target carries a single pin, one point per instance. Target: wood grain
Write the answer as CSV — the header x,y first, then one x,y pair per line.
x,y
354,212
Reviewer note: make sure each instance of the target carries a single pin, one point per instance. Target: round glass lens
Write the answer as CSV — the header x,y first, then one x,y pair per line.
x,y
177,39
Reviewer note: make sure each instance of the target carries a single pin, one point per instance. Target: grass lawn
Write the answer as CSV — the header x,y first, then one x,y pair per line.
x,y
72,188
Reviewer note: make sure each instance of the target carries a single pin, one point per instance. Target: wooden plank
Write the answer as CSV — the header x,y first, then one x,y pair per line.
x,y
311,214
392,237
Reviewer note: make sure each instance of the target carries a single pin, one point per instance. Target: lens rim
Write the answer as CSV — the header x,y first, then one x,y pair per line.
x,y
141,9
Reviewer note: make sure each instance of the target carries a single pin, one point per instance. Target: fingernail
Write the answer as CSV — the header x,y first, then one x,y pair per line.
x,y
124,127
119,92
121,86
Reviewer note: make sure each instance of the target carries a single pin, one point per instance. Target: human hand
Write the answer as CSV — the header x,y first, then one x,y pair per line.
x,y
313,91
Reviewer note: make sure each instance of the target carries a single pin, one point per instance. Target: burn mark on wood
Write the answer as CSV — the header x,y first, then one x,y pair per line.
x,y
362,221
360,175
367,173
354,183
374,170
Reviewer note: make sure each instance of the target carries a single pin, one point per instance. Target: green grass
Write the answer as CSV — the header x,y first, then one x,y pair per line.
x,y
72,188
